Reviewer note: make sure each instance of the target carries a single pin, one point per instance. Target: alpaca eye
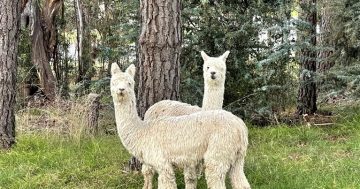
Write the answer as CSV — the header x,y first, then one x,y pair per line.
x,y
129,84
208,67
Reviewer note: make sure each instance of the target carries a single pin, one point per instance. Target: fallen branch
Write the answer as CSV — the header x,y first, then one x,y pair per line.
x,y
323,124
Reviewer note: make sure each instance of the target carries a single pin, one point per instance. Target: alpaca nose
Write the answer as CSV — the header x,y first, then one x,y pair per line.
x,y
121,89
213,75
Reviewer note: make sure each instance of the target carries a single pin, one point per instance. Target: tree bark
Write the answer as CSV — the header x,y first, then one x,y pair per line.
x,y
80,32
9,35
93,106
159,55
325,63
307,88
43,35
84,44
42,51
159,52
23,5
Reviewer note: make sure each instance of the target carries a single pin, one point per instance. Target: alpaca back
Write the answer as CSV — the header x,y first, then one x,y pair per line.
x,y
168,108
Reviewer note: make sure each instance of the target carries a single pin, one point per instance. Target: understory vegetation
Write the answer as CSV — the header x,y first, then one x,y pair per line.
x,y
281,156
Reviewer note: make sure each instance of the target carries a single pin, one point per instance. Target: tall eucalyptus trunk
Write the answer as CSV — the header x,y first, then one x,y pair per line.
x,y
43,34
84,43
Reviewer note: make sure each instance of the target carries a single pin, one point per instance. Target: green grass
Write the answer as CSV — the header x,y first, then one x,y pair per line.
x,y
285,157
56,162
278,157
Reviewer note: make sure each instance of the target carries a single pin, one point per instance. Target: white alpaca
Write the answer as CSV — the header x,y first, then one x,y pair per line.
x,y
217,137
214,72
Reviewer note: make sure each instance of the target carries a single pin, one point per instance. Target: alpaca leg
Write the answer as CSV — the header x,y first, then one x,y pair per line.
x,y
237,175
148,174
190,175
215,174
167,178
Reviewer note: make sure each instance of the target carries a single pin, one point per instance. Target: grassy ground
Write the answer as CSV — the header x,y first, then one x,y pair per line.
x,y
278,157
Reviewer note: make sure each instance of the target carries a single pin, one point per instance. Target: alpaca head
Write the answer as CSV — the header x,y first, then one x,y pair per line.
x,y
214,68
122,83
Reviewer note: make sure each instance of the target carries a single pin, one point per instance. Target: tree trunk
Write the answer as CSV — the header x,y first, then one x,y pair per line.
x,y
325,41
9,27
41,53
84,44
108,34
43,35
80,32
307,88
93,106
159,54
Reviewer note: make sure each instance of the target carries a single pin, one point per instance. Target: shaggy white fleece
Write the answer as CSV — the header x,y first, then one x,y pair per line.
x,y
217,137
214,73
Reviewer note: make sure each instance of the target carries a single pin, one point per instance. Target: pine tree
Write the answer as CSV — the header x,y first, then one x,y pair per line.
x,y
307,89
159,53
9,33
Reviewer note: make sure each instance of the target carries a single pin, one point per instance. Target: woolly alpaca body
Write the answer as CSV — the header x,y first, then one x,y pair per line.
x,y
217,137
170,108
214,71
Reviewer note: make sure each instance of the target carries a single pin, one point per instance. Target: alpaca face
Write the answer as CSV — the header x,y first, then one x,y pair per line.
x,y
214,68
122,83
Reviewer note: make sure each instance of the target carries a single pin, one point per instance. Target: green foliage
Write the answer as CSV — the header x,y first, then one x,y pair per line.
x,y
346,29
118,30
342,80
24,58
114,34
260,73
26,72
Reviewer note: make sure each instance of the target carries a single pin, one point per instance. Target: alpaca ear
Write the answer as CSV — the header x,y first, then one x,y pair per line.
x,y
131,70
115,69
204,55
225,55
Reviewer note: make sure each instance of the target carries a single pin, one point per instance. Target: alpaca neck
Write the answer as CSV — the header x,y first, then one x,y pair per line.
x,y
129,125
213,97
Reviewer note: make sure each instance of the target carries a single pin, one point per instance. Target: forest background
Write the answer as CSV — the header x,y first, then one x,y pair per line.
x,y
266,39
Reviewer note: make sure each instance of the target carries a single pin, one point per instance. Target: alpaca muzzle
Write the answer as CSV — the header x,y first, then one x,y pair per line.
x,y
213,75
121,92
